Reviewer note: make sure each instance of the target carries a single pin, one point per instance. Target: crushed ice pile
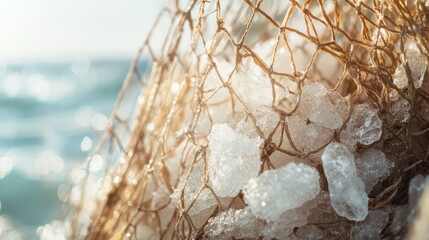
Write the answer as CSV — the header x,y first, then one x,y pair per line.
x,y
321,193
256,155
308,174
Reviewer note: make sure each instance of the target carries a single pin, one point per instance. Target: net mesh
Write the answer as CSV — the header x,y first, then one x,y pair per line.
x,y
182,82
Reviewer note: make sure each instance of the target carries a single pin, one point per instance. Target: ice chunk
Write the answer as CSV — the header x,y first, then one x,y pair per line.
x,y
327,109
364,125
243,224
307,136
252,85
346,189
205,200
371,227
266,119
255,89
416,62
233,159
373,166
285,224
276,191
237,224
417,185
286,96
406,213
244,126
415,191
400,77
347,139
400,110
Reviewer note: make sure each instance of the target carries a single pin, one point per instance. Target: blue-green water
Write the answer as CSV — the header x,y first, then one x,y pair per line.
x,y
46,110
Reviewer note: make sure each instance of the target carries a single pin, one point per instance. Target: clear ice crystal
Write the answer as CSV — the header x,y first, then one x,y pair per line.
x,y
371,227
346,189
322,107
400,109
255,89
416,62
364,125
243,224
252,85
307,136
400,77
373,166
233,159
283,227
276,191
234,223
285,224
244,126
266,119
347,139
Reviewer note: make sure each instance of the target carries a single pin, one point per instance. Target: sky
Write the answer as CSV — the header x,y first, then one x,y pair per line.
x,y
61,30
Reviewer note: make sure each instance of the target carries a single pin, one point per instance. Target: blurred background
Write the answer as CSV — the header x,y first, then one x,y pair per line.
x,y
62,64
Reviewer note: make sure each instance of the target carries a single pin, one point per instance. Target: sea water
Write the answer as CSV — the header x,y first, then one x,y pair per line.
x,y
51,115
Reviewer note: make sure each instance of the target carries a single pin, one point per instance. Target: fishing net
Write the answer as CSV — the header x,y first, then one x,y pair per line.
x,y
287,76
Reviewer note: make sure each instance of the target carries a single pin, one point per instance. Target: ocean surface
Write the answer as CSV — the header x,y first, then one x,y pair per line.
x,y
51,115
